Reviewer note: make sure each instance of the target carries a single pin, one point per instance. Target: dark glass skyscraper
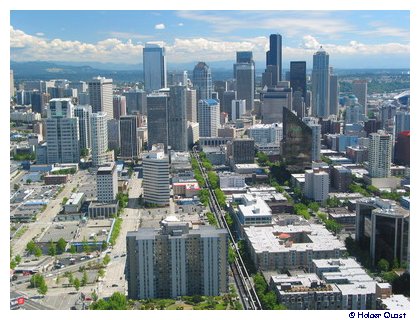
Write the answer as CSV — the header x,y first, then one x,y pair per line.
x,y
177,118
129,141
274,56
157,119
296,146
298,77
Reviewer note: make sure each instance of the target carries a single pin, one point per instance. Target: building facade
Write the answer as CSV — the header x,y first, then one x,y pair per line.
x,y
208,117
156,177
154,67
321,84
100,96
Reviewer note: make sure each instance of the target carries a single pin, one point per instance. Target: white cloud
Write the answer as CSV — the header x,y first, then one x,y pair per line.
x,y
128,35
26,47
180,24
160,26
40,34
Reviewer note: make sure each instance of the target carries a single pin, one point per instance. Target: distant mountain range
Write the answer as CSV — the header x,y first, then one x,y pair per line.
x,y
73,71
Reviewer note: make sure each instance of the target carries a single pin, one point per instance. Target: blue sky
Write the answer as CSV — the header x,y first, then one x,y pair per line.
x,y
352,38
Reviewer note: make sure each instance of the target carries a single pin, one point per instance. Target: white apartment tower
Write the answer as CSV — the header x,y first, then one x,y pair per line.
x,y
156,177
380,153
317,184
208,117
99,136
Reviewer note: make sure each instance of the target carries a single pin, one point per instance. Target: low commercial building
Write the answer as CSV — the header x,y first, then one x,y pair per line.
x,y
186,189
246,168
291,247
56,179
252,210
102,210
75,202
344,217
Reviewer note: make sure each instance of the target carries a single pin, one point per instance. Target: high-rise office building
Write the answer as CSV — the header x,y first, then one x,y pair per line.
x,y
80,86
243,150
136,101
383,229
128,131
208,117
12,84
245,86
321,84
177,260
380,153
238,109
107,182
334,92
114,135
62,132
295,149
176,78
228,97
316,137
401,122
274,58
157,119
99,136
156,176
360,91
202,81
119,106
273,100
100,96
84,112
39,101
177,118
154,67
191,105
402,149
298,77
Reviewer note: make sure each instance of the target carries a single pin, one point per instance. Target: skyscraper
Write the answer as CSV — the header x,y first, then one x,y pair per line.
x,y
100,96
99,134
298,77
157,119
114,135
245,86
360,91
156,177
316,137
128,131
191,105
84,114
202,81
154,67
274,58
177,118
334,92
119,106
273,100
321,84
12,84
62,132
177,260
107,182
208,117
380,152
238,109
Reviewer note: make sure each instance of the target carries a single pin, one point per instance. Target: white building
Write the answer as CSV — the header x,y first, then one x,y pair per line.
x,y
238,109
266,133
156,177
208,117
100,96
231,180
107,183
252,210
99,135
193,132
317,184
380,153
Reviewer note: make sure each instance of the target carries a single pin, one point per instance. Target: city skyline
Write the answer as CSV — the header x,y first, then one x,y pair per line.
x,y
354,39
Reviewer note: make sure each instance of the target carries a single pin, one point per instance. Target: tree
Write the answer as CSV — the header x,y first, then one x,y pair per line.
x,y
64,201
30,247
38,252
104,245
314,207
28,181
73,249
101,272
16,186
18,259
37,281
85,246
84,279
52,249
76,283
383,265
117,301
94,296
106,260
61,245
42,289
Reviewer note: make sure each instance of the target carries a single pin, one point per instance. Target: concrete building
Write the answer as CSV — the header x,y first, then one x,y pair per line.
x,y
177,118
154,67
191,105
238,109
84,112
245,86
129,143
136,101
107,183
62,132
193,133
157,119
252,210
321,84
243,150
273,100
360,91
383,228
208,117
266,133
74,203
334,92
231,180
291,246
186,189
99,136
100,95
317,185
226,102
156,177
119,106
177,260
380,154
114,135
340,178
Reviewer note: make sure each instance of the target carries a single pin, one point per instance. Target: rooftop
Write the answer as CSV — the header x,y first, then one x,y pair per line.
x,y
396,302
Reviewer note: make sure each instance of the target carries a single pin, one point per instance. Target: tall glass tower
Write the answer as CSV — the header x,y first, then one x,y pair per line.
x,y
274,57
154,67
321,84
202,81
